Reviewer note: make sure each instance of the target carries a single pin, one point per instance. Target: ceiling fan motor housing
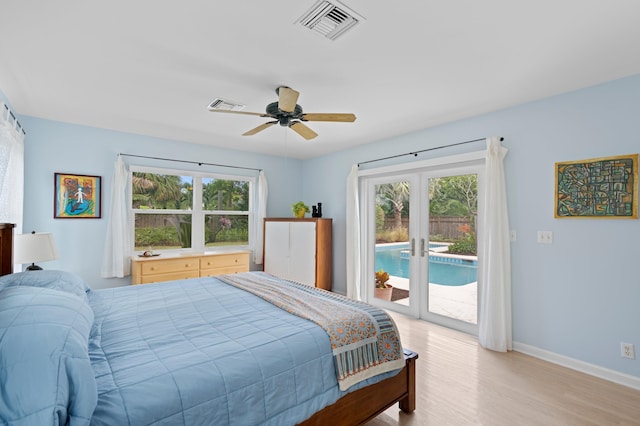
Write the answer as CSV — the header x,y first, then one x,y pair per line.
x,y
283,117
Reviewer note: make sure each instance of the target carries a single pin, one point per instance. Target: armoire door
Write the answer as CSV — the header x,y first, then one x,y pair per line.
x,y
276,248
302,252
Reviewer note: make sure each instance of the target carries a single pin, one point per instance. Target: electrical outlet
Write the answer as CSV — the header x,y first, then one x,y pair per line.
x,y
545,237
627,350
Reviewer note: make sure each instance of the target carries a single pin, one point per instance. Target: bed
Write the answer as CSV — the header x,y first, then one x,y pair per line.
x,y
218,350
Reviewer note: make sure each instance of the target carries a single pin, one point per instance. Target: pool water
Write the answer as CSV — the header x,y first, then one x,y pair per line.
x,y
442,270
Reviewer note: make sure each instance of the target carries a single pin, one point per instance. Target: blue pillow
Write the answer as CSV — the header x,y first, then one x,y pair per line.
x,y
56,280
46,372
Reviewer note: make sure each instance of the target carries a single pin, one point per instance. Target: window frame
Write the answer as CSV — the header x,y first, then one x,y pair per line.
x,y
197,212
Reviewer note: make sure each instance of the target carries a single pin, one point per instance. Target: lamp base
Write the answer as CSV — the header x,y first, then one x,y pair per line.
x,y
33,267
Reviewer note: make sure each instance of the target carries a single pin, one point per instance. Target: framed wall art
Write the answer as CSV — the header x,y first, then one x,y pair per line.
x,y
77,196
604,188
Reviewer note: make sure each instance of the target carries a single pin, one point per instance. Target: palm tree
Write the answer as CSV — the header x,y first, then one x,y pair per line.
x,y
396,194
156,191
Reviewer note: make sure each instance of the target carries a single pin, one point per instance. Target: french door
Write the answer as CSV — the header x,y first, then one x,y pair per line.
x,y
421,227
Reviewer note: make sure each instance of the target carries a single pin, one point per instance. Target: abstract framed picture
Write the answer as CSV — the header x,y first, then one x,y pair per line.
x,y
605,188
77,196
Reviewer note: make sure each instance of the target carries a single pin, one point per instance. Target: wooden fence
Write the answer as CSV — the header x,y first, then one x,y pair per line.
x,y
448,226
445,226
153,220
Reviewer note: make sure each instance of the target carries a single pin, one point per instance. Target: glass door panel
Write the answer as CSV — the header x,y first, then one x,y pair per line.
x,y
392,243
452,284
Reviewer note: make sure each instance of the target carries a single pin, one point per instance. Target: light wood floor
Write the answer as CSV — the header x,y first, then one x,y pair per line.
x,y
459,383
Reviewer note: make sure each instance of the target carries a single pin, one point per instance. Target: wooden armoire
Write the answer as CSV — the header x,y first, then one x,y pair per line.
x,y
299,250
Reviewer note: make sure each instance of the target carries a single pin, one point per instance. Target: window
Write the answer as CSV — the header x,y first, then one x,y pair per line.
x,y
175,210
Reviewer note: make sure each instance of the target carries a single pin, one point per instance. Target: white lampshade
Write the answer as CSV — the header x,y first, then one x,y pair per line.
x,y
32,248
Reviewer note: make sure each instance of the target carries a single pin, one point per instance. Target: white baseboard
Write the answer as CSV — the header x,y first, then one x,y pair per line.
x,y
574,364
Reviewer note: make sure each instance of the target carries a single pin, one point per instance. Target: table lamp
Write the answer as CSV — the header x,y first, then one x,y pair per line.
x,y
32,248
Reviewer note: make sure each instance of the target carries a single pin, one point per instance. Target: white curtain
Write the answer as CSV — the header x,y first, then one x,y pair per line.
x,y
494,325
353,235
118,245
258,228
11,170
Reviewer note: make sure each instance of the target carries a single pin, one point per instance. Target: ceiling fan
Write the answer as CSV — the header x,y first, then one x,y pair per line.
x,y
288,113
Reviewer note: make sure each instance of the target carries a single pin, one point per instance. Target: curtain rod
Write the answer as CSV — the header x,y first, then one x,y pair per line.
x,y
199,163
14,118
415,153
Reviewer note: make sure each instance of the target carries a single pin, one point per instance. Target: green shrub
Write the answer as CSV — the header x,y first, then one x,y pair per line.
x,y
233,235
154,237
465,245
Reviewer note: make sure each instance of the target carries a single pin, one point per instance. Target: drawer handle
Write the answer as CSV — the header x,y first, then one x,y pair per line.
x,y
236,260
153,269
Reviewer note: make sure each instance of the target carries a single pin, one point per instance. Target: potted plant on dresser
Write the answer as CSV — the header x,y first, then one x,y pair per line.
x,y
383,289
299,209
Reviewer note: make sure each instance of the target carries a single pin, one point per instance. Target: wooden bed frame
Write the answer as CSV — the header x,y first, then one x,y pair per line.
x,y
360,406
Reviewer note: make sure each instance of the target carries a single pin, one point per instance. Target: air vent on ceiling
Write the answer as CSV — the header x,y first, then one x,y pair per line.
x,y
330,19
225,105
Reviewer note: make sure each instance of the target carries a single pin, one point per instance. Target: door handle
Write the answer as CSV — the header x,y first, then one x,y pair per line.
x,y
422,251
413,247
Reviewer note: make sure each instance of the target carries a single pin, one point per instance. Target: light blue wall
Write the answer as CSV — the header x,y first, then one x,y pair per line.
x,y
52,147
578,297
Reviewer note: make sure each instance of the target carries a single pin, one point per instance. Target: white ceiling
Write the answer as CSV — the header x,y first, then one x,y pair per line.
x,y
151,67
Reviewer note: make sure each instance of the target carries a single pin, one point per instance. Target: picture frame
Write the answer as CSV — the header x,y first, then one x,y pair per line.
x,y
77,196
597,188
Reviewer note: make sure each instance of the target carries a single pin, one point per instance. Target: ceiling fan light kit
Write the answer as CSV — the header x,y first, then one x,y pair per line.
x,y
288,113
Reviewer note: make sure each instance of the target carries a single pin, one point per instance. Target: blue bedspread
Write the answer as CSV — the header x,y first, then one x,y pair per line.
x,y
202,352
364,339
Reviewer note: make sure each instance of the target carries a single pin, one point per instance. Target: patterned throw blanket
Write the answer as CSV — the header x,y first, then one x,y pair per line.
x,y
364,339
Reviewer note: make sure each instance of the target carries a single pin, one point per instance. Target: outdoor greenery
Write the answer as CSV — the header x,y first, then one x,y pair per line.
x,y
392,235
158,192
452,196
466,244
156,237
394,199
379,219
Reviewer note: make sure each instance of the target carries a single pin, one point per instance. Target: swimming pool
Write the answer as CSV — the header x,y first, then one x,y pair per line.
x,y
442,270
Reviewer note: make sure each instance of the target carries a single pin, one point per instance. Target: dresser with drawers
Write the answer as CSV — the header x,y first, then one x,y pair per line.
x,y
146,270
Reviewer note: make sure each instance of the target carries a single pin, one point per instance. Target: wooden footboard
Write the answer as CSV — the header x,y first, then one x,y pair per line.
x,y
358,407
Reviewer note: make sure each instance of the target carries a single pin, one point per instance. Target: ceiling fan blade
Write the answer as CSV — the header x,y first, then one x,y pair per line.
x,y
344,118
287,98
259,128
259,114
303,130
